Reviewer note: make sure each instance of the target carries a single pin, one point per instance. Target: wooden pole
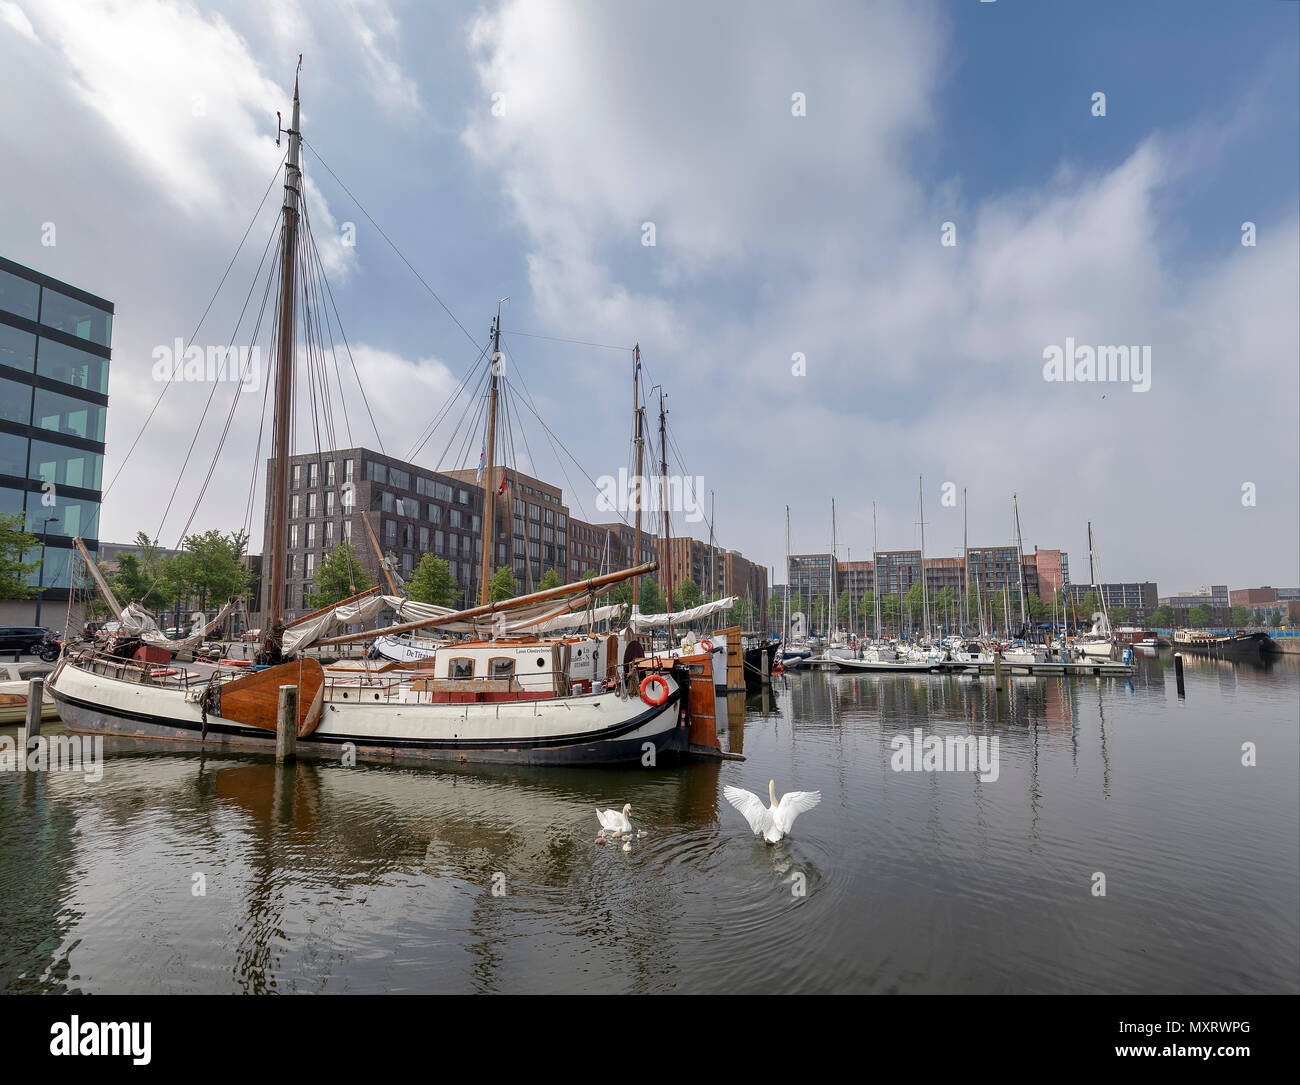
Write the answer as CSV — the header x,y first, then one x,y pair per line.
x,y
35,693
637,481
489,493
997,670
1178,673
286,725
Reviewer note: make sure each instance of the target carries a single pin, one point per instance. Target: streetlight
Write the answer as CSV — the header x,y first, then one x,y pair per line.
x,y
40,572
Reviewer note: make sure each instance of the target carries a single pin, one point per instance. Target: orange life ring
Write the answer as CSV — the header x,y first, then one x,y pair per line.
x,y
706,644
654,703
234,662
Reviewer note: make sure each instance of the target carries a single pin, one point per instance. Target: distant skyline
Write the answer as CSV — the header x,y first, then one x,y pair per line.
x,y
802,170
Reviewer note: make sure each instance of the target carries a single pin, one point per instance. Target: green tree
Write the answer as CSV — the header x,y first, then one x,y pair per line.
x,y
1121,615
739,614
914,602
339,575
432,582
1089,605
1240,616
1162,617
1275,619
146,578
210,567
1038,611
889,608
652,597
1200,616
550,579
687,595
842,608
620,593
14,544
797,602
868,604
502,585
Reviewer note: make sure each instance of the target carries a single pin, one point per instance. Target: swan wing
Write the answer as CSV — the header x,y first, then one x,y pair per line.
x,y
794,803
607,818
750,805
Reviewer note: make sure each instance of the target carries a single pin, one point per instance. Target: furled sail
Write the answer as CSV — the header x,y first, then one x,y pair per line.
x,y
138,622
656,621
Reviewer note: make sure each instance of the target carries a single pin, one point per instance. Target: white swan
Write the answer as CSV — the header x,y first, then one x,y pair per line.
x,y
774,822
613,820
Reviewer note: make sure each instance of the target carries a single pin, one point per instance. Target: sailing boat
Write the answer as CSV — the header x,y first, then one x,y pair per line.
x,y
1098,642
506,699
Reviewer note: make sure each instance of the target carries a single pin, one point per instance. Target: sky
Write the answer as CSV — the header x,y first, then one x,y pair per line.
x,y
802,166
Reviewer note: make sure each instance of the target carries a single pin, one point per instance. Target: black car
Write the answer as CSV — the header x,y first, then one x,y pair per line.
x,y
22,638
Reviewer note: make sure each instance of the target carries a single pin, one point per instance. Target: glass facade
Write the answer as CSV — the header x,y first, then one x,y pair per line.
x,y
54,358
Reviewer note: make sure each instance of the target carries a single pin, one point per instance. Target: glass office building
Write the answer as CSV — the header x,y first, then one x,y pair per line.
x,y
54,358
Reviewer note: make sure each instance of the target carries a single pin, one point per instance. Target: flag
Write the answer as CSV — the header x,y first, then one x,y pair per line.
x,y
502,488
482,462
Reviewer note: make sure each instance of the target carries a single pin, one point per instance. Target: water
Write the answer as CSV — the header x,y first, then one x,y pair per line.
x,y
323,878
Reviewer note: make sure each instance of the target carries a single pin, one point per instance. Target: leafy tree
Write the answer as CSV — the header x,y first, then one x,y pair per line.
x,y
209,566
339,575
1200,616
868,604
1038,611
621,593
914,602
1240,616
652,597
1275,619
14,541
842,607
1089,605
146,578
739,614
1121,615
889,608
796,602
432,582
687,595
550,579
502,585
1162,617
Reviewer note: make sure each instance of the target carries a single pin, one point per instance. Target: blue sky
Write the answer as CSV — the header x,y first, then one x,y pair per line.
x,y
775,234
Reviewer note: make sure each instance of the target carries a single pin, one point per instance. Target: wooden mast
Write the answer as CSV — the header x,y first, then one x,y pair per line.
x,y
489,492
638,482
668,539
279,497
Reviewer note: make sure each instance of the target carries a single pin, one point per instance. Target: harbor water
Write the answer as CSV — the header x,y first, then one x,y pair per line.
x,y
1126,843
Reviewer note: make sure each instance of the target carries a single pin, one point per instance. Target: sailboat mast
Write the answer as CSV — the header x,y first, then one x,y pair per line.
x,y
875,567
965,559
668,538
832,609
489,492
1020,560
785,621
925,592
638,481
713,576
279,542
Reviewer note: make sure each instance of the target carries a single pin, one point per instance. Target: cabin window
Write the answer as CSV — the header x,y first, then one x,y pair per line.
x,y
461,667
501,667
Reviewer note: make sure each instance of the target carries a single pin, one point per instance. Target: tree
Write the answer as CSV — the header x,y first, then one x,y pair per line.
x,y
1121,615
1240,616
687,595
652,597
796,602
1162,617
339,575
550,579
889,610
209,565
914,602
14,541
868,604
621,593
1089,605
502,585
739,614
1037,608
1200,616
145,578
432,582
842,607
1275,620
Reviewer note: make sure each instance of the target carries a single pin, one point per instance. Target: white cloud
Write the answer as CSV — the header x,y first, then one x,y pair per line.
x,y
16,19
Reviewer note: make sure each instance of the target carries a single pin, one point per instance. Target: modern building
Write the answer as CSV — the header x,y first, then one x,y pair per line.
x,y
55,347
717,572
1249,597
1141,597
1215,596
1053,568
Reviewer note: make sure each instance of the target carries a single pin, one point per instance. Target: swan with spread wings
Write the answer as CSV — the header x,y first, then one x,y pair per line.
x,y
775,821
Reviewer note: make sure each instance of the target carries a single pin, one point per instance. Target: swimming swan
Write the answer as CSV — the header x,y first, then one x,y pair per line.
x,y
613,820
774,822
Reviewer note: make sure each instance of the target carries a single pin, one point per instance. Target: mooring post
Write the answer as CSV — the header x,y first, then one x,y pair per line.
x,y
35,694
1178,673
286,725
997,670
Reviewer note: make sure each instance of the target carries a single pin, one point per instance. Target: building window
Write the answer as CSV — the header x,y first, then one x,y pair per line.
x,y
435,513
313,475
66,414
329,473
293,536
438,542
460,667
347,530
347,470
329,533
75,317
424,539
311,504
329,502
309,566
390,532
295,473
453,517
311,535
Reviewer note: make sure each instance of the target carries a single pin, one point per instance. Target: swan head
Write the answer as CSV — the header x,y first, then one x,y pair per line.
x,y
771,790
627,809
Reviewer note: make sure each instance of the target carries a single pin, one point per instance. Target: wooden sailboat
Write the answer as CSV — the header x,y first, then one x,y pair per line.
x,y
504,699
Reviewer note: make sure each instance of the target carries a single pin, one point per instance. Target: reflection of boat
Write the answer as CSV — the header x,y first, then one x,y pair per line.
x,y
13,692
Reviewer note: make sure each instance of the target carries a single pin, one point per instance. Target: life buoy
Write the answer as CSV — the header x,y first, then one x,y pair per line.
x,y
234,662
706,644
654,702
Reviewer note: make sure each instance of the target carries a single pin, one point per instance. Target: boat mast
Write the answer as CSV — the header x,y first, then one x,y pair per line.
x,y
832,610
489,493
925,593
283,391
875,569
965,560
668,539
713,576
1020,560
785,621
638,482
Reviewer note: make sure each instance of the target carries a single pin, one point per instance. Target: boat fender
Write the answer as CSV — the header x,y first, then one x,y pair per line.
x,y
650,699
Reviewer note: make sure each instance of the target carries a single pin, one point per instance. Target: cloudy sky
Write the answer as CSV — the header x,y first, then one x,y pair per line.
x,y
816,337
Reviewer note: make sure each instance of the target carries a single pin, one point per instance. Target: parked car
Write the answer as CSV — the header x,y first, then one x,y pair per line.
x,y
23,638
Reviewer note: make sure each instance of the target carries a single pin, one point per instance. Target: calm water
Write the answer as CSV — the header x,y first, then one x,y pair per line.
x,y
333,879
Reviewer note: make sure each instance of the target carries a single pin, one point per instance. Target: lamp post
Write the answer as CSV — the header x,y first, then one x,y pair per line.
x,y
40,572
